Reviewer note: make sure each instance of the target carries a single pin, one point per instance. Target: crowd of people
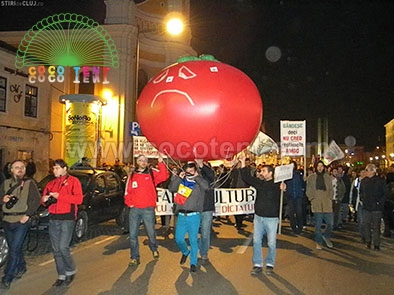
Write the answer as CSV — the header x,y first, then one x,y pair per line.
x,y
328,197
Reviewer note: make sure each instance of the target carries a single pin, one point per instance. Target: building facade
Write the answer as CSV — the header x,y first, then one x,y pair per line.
x,y
390,142
143,49
24,108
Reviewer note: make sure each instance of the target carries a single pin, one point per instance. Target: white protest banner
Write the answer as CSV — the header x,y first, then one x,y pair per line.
x,y
234,201
164,202
333,153
141,146
292,138
263,144
283,173
227,201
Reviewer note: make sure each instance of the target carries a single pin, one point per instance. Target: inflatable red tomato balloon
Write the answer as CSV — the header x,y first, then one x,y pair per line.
x,y
200,109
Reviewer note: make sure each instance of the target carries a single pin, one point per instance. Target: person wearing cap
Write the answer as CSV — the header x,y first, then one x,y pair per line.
x,y
190,189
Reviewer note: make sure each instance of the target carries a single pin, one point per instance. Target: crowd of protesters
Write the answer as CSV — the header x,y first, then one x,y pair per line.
x,y
326,197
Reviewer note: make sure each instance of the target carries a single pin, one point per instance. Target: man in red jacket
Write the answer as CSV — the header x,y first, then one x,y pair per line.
x,y
140,197
62,195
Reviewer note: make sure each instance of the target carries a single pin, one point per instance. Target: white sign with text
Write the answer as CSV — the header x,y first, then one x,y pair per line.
x,y
283,173
292,138
228,201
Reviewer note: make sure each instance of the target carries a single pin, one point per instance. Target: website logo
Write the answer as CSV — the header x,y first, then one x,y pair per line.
x,y
67,40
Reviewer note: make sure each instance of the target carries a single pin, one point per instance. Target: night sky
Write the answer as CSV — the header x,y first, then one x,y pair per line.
x,y
336,57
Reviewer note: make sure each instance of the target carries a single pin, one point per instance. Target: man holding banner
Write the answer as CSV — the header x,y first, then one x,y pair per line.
x,y
140,196
266,217
190,189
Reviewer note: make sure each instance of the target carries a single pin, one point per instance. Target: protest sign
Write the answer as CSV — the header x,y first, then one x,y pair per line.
x,y
292,138
283,173
227,201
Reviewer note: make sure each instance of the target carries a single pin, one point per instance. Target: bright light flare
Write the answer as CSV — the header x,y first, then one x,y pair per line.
x,y
175,26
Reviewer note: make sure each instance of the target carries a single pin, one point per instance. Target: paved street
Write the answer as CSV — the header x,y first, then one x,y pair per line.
x,y
102,261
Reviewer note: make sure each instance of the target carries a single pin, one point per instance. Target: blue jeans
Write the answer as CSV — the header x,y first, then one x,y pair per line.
x,y
60,234
264,226
135,217
15,234
188,224
329,219
205,232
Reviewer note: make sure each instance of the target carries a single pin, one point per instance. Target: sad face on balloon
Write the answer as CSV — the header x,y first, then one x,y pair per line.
x,y
200,108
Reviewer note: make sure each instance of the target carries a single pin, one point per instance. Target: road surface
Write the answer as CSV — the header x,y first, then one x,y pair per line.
x,y
102,263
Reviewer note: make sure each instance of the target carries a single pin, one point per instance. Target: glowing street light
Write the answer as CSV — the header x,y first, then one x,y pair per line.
x,y
175,26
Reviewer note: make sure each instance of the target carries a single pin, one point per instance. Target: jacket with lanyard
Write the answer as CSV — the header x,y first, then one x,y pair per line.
x,y
70,195
28,198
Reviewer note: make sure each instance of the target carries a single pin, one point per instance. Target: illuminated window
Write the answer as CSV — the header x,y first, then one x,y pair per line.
x,y
3,94
31,101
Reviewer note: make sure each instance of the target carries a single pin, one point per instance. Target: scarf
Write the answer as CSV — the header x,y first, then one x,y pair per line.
x,y
320,184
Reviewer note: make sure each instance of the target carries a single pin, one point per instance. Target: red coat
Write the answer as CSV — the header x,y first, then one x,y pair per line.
x,y
70,194
141,189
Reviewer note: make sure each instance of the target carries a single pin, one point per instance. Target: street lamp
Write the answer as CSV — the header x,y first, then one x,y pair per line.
x,y
174,26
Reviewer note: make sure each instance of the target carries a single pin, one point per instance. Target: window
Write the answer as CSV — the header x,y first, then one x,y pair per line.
x,y
3,94
86,88
24,154
100,183
112,182
31,101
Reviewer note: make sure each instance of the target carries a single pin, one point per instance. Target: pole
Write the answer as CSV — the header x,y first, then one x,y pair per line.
x,y
280,212
137,68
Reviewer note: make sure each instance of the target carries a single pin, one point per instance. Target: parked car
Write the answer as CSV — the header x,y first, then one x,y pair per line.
x,y
103,193
387,227
3,248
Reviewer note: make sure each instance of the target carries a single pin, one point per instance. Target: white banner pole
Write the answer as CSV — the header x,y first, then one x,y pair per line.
x,y
280,212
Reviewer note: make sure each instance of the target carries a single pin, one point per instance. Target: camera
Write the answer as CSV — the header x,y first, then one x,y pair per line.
x,y
11,202
51,200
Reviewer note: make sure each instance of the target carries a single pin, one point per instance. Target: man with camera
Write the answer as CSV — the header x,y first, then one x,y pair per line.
x,y
20,198
62,197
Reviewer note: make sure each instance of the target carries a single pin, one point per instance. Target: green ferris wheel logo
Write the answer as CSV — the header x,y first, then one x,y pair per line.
x,y
67,39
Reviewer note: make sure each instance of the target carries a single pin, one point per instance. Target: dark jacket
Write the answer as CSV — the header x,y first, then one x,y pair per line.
x,y
348,184
209,198
195,201
295,187
236,181
268,194
373,193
